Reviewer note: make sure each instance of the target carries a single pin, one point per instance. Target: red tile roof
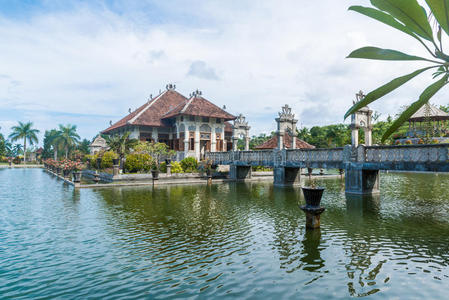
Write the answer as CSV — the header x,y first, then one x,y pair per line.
x,y
198,106
150,113
273,143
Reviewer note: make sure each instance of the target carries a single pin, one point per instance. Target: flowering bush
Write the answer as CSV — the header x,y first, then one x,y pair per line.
x,y
176,167
65,164
408,142
420,141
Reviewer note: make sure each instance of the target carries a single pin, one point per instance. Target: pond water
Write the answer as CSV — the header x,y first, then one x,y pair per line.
x,y
245,240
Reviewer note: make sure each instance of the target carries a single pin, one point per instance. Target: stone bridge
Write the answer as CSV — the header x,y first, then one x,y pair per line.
x,y
361,163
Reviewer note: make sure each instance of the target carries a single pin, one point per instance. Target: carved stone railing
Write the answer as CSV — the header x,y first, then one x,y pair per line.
x,y
410,154
413,157
315,155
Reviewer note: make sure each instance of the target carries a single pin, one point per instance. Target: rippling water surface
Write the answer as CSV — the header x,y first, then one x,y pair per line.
x,y
221,241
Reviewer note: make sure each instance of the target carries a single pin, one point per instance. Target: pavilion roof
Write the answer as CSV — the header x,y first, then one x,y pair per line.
x,y
151,113
199,106
434,114
273,143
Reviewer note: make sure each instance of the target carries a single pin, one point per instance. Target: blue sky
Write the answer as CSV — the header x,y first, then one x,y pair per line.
x,y
88,62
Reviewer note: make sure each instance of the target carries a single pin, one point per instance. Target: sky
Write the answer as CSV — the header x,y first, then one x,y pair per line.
x,y
87,62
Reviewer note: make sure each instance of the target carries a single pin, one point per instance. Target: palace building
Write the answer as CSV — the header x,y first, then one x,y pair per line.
x,y
191,126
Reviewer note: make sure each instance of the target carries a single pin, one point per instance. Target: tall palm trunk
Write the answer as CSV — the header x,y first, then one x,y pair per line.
x,y
66,152
55,153
24,150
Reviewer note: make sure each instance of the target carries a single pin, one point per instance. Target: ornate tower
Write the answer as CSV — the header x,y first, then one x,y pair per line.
x,y
240,130
286,125
361,119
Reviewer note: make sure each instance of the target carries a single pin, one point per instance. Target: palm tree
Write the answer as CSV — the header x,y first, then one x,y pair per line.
x,y
120,144
17,150
55,140
68,137
26,132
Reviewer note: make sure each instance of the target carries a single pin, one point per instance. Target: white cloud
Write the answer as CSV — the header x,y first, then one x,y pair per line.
x,y
94,60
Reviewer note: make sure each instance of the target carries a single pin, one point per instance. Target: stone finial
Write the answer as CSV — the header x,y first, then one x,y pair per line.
x,y
240,121
359,96
110,122
286,113
170,87
196,93
129,110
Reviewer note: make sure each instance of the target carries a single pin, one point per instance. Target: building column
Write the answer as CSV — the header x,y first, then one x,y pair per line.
x,y
293,142
213,141
186,142
247,140
155,134
135,133
197,142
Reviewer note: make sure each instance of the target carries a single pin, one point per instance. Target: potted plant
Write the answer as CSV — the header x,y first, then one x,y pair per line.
x,y
312,193
155,171
77,167
115,159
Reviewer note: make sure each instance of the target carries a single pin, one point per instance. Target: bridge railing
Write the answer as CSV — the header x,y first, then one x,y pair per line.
x,y
409,153
315,155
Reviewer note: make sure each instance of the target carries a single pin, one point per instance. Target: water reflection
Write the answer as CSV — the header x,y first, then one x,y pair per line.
x,y
311,254
359,206
243,240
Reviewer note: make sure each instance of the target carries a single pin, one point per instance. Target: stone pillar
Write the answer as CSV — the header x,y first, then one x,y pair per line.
x,y
155,134
312,216
235,142
116,169
186,142
293,142
240,172
169,169
284,176
280,140
213,141
368,137
197,142
354,136
247,143
360,181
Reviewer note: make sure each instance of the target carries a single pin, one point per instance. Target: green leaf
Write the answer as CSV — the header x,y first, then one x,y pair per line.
x,y
410,13
382,17
423,99
440,9
383,90
382,54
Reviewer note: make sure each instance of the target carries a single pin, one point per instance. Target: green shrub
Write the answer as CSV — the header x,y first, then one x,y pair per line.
x,y
106,160
189,164
163,167
176,167
137,162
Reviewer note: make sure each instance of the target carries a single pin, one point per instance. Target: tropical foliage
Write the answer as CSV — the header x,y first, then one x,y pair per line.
x,y
68,137
412,19
121,144
25,132
189,164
